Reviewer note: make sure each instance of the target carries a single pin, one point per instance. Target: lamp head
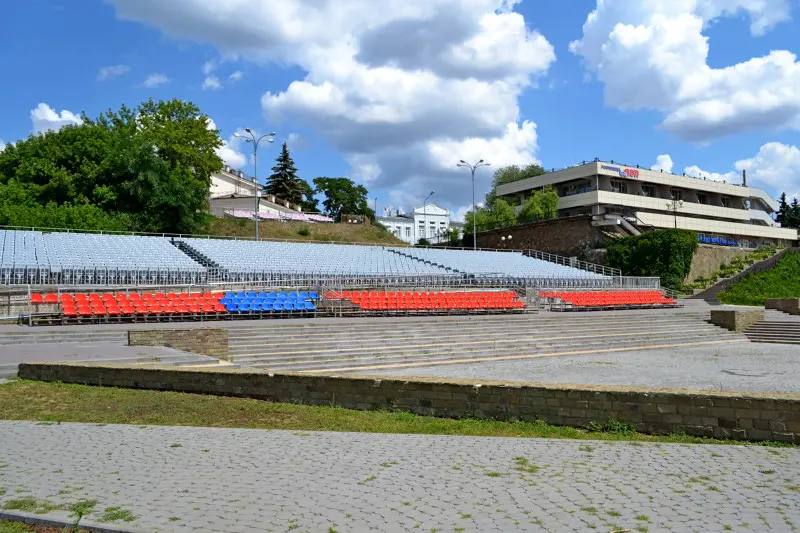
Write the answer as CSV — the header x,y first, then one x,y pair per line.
x,y
462,161
248,130
481,161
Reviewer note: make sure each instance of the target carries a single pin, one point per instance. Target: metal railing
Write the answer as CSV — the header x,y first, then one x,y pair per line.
x,y
574,263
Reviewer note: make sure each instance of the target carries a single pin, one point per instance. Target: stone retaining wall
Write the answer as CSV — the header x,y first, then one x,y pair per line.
x,y
736,319
704,413
204,341
785,305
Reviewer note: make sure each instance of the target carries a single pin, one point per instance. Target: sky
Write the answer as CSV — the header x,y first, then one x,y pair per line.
x,y
393,93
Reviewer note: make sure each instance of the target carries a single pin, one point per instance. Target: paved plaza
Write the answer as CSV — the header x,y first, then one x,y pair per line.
x,y
741,366
230,480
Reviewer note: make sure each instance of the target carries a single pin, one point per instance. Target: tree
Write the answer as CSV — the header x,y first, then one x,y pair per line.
x,y
541,205
309,203
502,214
783,208
147,168
283,182
343,197
510,174
793,214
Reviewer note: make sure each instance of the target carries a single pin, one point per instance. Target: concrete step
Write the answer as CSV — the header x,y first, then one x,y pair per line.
x,y
380,344
50,338
279,359
342,364
775,340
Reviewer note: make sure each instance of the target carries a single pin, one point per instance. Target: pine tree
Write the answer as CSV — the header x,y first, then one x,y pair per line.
x,y
783,209
793,215
284,182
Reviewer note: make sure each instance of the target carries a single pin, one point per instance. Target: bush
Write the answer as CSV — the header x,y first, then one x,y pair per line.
x,y
423,242
666,254
305,231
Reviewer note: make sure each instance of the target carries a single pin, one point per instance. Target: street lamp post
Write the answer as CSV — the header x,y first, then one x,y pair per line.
x,y
425,215
270,138
673,205
472,168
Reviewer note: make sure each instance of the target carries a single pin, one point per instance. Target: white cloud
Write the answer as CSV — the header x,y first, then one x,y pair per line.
x,y
154,80
654,55
663,163
230,152
211,83
236,76
45,118
2,145
777,166
106,73
390,88
209,67
697,172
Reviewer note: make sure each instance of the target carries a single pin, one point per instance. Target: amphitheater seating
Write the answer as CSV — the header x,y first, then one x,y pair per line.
x,y
434,301
269,302
121,305
609,299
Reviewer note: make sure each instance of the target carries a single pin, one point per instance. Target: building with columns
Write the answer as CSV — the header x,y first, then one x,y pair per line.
x,y
429,222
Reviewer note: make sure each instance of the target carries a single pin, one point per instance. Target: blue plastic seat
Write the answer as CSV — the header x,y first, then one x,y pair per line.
x,y
272,295
262,295
267,307
231,308
313,295
242,308
251,295
309,306
299,306
278,306
230,295
241,295
282,293
293,295
302,295
255,307
225,301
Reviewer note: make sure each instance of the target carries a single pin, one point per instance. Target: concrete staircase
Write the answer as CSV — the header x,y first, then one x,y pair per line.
x,y
360,346
774,331
92,346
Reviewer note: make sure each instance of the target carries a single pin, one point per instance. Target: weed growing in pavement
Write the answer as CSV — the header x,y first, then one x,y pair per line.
x,y
114,514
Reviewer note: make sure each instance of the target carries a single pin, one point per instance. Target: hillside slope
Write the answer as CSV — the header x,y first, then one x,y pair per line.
x,y
782,281
301,231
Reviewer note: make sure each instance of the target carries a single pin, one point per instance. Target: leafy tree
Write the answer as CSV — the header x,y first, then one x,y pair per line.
x,y
343,196
147,168
482,217
541,205
783,208
309,203
502,214
510,174
283,182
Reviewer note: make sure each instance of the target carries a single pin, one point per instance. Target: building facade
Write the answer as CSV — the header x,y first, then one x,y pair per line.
x,y
428,222
641,198
234,190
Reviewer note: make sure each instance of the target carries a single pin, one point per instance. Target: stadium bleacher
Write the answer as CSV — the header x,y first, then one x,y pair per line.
x,y
390,301
605,299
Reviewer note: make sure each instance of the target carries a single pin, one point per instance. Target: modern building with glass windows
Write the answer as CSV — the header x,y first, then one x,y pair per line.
x,y
631,199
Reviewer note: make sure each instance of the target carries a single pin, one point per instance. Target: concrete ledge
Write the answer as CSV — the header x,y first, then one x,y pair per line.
x,y
204,341
736,319
785,305
743,416
66,525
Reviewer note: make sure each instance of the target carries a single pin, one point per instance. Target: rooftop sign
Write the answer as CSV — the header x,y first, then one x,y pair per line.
x,y
623,172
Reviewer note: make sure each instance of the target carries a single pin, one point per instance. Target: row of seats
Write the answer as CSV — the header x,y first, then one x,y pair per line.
x,y
610,298
389,301
53,298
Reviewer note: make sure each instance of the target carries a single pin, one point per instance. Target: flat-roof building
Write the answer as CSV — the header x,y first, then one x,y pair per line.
x,y
636,198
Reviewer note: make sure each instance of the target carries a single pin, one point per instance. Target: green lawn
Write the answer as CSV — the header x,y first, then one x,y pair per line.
x,y
58,402
783,281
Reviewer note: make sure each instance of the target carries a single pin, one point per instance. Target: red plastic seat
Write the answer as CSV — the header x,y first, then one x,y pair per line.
x,y
37,298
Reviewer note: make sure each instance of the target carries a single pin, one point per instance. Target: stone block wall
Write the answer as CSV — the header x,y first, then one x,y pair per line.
x,y
736,319
571,237
785,305
204,341
719,414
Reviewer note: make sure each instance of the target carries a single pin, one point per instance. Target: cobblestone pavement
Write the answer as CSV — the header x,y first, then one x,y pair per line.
x,y
739,367
229,480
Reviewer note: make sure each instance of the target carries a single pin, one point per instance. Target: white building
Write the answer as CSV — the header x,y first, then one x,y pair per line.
x,y
234,190
427,222
627,197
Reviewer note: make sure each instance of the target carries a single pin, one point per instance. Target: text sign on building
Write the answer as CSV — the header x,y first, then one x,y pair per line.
x,y
623,172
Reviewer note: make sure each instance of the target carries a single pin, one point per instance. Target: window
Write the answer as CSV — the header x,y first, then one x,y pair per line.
x,y
725,202
442,223
676,194
648,190
702,198
421,231
618,186
408,231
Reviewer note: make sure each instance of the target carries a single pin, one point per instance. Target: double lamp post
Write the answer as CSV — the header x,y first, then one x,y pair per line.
x,y
251,138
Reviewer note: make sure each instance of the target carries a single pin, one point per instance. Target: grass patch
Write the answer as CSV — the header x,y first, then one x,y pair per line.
x,y
59,402
782,281
29,504
301,231
116,514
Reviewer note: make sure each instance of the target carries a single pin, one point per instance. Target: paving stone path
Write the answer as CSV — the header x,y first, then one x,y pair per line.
x,y
230,480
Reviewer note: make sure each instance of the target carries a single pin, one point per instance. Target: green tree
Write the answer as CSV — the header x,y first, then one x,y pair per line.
x,y
541,205
510,174
502,214
148,168
284,182
783,209
793,215
309,202
343,197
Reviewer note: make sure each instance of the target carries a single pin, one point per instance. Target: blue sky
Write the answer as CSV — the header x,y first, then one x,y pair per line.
x,y
394,97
